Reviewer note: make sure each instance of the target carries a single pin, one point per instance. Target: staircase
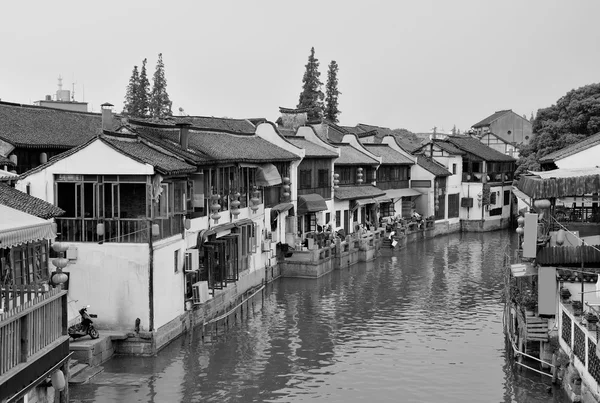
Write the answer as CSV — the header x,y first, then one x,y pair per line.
x,y
537,328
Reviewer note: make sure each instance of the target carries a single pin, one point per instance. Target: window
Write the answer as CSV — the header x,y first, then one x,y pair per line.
x,y
453,205
338,218
386,209
310,223
506,197
327,218
440,204
25,264
305,179
176,260
346,176
323,179
453,169
420,183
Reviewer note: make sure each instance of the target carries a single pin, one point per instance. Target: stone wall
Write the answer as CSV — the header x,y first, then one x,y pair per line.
x,y
484,225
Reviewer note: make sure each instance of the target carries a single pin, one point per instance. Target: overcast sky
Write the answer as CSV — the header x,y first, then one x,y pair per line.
x,y
402,64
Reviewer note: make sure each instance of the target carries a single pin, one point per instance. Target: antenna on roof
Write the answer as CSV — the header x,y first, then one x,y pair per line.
x,y
59,82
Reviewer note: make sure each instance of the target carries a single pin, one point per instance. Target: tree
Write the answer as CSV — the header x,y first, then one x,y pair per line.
x,y
574,117
453,130
131,107
311,96
143,93
332,93
160,104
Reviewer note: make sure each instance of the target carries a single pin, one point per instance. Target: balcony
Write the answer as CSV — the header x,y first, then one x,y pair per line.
x,y
33,333
116,230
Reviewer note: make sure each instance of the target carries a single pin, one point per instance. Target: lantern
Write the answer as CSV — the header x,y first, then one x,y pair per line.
x,y
560,237
286,187
336,180
59,277
359,175
43,158
521,221
59,247
58,380
100,229
215,207
255,200
13,159
520,230
542,204
187,223
155,230
60,262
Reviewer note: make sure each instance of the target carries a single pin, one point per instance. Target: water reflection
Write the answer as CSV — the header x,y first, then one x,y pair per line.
x,y
419,325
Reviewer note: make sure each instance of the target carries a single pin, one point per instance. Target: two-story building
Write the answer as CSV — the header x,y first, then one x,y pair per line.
x,y
503,131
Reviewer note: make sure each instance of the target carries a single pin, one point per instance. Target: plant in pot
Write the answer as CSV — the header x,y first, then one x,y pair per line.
x,y
591,318
577,308
565,293
529,304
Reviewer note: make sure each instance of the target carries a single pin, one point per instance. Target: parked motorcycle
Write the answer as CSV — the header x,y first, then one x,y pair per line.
x,y
85,327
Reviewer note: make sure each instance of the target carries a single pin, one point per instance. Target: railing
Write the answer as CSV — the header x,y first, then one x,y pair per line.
x,y
120,230
587,214
28,328
575,337
13,296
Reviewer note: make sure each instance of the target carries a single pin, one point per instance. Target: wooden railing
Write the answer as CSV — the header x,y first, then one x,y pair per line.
x,y
122,230
28,328
324,192
14,295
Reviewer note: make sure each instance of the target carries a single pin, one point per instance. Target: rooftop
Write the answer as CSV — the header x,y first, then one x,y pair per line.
x,y
591,141
432,166
18,200
478,149
40,127
388,154
487,121
312,150
357,192
352,156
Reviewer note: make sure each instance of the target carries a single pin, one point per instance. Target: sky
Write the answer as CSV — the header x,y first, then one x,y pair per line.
x,y
402,64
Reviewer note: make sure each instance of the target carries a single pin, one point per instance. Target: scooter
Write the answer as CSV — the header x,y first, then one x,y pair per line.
x,y
85,327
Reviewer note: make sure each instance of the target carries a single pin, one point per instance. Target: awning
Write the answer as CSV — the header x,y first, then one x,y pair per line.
x,y
383,199
283,207
363,202
396,194
267,175
521,196
17,228
311,203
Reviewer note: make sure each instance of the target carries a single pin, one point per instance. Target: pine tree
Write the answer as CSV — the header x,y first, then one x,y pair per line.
x,y
332,93
131,108
143,93
160,104
311,96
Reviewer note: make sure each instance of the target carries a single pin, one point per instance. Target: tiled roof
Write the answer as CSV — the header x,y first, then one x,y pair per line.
x,y
367,134
312,150
477,148
357,192
335,133
40,127
389,155
487,121
444,145
163,163
591,141
352,156
352,130
286,132
18,200
4,161
240,126
213,146
291,110
432,166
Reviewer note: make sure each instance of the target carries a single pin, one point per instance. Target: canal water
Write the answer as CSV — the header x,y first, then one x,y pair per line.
x,y
422,324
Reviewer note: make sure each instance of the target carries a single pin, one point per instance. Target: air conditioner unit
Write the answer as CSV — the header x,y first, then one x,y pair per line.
x,y
200,292
192,261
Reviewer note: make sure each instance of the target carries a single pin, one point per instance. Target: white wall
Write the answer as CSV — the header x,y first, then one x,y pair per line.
x,y
425,203
113,279
583,159
169,286
95,159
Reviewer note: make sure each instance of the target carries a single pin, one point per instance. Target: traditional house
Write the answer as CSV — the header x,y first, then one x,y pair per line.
x,y
393,176
430,179
507,126
579,155
31,135
554,276
33,323
355,199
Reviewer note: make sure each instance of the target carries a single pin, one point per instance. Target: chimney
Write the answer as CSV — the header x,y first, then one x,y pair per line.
x,y
184,134
107,116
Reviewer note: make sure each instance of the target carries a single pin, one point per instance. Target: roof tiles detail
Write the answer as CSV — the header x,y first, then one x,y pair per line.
x,y
40,127
18,200
352,156
312,150
357,192
477,148
432,166
388,154
591,141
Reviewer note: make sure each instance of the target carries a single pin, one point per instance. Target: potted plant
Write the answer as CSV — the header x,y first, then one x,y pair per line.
x,y
577,308
530,306
565,293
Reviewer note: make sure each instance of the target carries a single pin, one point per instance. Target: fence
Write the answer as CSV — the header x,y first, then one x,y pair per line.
x,y
581,341
29,327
